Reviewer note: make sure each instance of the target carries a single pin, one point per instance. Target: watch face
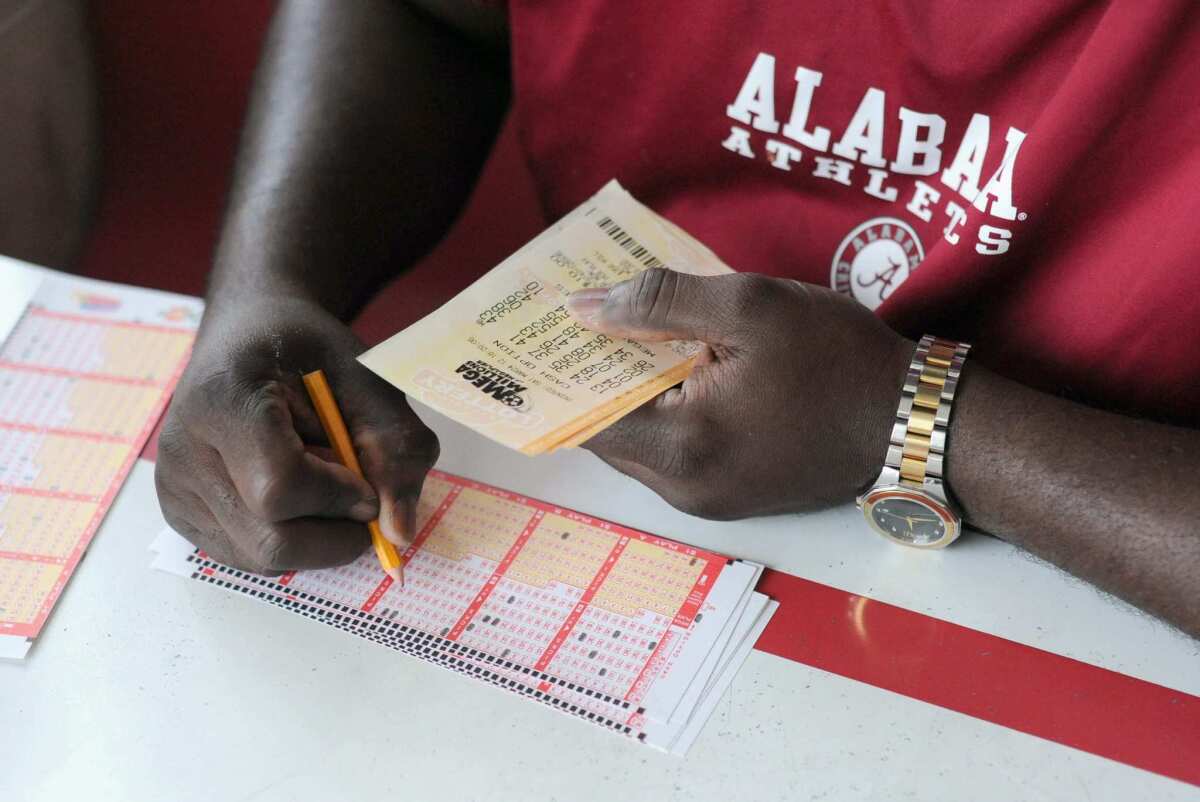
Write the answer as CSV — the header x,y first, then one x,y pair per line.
x,y
908,519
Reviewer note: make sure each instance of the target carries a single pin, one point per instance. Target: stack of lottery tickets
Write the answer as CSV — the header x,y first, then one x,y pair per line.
x,y
630,632
506,358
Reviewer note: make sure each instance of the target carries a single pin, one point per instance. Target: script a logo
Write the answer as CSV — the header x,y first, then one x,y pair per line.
x,y
874,259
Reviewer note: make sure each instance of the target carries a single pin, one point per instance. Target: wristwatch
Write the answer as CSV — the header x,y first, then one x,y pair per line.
x,y
908,503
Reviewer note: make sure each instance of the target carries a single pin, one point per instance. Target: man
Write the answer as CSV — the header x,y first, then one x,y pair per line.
x,y
1021,180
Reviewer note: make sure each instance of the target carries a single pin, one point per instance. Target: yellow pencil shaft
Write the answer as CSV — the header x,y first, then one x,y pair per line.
x,y
331,420
339,438
389,558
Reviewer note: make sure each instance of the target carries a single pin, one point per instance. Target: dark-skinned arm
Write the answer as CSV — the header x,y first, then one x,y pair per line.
x,y
1108,498
791,408
50,130
368,125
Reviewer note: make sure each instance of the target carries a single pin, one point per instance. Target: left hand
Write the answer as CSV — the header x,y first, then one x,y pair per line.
x,y
790,404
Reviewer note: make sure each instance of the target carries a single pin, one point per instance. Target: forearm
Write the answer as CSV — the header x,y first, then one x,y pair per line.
x,y
368,126
1106,497
50,130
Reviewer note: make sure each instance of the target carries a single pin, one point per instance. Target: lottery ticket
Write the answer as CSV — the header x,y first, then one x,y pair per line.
x,y
86,370
624,629
506,358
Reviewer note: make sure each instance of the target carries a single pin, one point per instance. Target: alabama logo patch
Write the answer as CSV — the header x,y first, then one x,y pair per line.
x,y
874,259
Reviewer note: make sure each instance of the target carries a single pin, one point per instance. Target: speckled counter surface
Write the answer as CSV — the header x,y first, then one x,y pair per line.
x,y
147,687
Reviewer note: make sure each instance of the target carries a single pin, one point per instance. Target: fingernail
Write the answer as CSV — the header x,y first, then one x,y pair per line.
x,y
585,304
406,512
401,524
365,510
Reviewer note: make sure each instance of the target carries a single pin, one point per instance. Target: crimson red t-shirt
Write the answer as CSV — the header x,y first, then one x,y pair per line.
x,y
1021,175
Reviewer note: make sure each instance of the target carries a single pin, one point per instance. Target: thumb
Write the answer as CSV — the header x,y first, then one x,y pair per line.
x,y
656,304
396,450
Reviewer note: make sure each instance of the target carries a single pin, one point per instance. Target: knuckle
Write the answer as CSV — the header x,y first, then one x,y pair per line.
x,y
649,295
202,533
270,497
179,508
422,446
175,443
172,451
753,294
402,445
270,554
267,402
207,393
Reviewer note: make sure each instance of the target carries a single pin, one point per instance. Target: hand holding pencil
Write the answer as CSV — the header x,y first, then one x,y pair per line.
x,y
236,472
327,410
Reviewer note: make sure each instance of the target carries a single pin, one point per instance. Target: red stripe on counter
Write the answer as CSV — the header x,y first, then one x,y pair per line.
x,y
985,676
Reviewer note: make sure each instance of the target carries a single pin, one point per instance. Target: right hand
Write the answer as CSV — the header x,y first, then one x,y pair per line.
x,y
235,472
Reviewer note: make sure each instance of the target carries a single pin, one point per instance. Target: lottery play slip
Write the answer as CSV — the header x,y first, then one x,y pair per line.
x,y
86,368
506,358
634,633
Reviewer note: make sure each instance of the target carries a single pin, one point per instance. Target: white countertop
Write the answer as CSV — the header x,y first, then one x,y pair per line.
x,y
144,686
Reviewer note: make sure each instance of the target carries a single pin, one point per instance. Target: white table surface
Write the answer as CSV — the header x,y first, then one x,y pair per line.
x,y
145,686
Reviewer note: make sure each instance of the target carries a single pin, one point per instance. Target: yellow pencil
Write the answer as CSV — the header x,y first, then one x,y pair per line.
x,y
335,429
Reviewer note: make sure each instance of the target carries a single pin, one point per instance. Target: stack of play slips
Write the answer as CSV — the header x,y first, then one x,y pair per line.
x,y
626,630
506,358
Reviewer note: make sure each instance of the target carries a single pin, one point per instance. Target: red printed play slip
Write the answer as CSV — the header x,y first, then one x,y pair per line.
x,y
86,370
622,628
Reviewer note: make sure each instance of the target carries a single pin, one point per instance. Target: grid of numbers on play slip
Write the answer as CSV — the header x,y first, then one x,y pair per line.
x,y
24,587
74,405
518,622
607,651
96,348
650,577
562,551
479,523
541,587
42,526
437,591
457,559
350,584
59,464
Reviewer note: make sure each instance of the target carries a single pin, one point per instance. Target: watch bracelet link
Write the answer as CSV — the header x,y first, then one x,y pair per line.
x,y
918,444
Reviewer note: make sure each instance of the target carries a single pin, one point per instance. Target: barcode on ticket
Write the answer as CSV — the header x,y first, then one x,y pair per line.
x,y
636,250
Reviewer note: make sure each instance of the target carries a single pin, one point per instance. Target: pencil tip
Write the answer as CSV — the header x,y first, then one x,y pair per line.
x,y
397,575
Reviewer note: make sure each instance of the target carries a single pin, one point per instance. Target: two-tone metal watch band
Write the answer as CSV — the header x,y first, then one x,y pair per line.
x,y
918,446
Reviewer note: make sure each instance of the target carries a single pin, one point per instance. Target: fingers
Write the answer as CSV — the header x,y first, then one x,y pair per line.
x,y
221,525
186,513
668,437
243,485
395,448
644,437
209,510
307,543
660,304
275,474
